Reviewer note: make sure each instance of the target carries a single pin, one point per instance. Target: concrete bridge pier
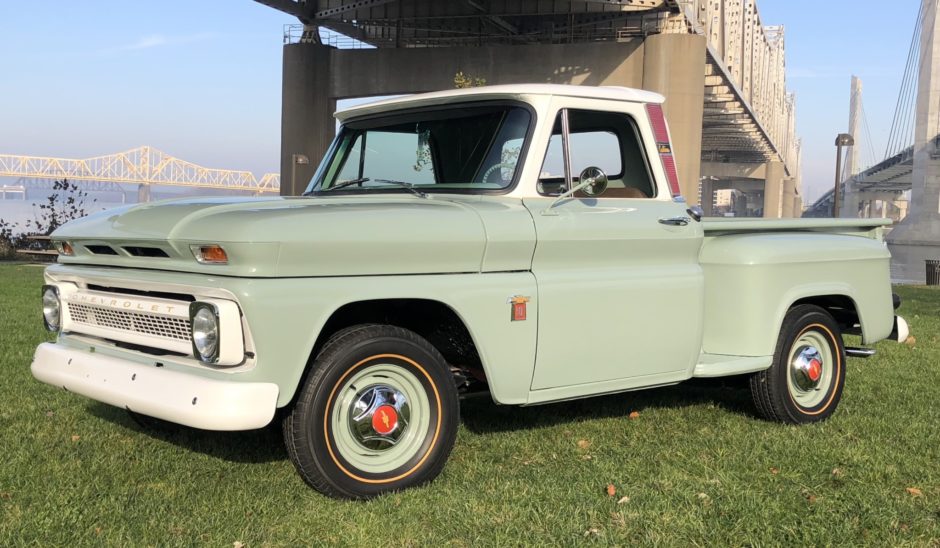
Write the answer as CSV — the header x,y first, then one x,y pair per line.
x,y
774,173
707,199
143,193
780,198
307,108
851,201
789,196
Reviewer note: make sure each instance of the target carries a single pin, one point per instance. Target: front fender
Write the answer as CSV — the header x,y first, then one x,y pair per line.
x,y
286,317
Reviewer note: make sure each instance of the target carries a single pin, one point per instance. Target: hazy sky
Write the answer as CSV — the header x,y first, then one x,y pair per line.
x,y
201,79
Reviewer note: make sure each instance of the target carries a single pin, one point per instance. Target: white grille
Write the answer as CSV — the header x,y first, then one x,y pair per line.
x,y
156,325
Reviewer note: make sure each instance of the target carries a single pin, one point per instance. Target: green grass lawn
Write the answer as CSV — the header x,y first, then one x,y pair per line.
x,y
695,467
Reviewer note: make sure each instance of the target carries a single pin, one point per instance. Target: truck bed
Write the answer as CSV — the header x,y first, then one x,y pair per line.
x,y
871,228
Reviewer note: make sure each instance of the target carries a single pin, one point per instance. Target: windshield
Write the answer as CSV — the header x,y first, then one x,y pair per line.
x,y
456,149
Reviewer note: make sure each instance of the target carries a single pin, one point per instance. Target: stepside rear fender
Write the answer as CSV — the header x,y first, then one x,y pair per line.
x,y
752,279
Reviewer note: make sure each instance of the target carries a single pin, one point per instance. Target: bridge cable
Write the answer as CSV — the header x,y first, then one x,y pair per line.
x,y
909,86
907,92
906,113
869,139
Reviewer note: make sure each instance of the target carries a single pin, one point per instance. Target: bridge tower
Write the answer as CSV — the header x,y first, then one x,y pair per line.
x,y
851,199
917,238
855,108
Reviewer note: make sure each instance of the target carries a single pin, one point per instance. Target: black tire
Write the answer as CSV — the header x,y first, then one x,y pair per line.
x,y
334,434
794,390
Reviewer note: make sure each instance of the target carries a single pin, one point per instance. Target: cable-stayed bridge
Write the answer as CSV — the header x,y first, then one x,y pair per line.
x,y
885,181
890,176
911,162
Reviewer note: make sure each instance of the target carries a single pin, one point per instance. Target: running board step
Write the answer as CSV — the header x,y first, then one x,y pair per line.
x,y
856,352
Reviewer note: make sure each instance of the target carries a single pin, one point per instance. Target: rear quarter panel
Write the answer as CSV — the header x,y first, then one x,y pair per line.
x,y
752,279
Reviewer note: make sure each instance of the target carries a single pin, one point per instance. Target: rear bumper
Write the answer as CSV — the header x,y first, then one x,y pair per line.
x,y
900,331
173,396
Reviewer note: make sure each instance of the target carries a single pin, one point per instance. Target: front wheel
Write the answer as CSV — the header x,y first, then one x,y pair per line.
x,y
805,382
378,413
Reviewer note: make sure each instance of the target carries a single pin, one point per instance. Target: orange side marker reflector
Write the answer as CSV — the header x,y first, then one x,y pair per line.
x,y
518,304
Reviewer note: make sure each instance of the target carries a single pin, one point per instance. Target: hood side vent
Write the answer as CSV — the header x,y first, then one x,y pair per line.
x,y
101,249
142,293
140,251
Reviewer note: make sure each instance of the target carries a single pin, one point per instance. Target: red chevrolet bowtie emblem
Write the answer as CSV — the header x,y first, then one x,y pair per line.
x,y
815,370
385,419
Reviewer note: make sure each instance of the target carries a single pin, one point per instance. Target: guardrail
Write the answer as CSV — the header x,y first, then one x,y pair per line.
x,y
39,252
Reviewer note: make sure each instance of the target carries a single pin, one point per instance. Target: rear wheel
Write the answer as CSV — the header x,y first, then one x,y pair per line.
x,y
805,382
378,413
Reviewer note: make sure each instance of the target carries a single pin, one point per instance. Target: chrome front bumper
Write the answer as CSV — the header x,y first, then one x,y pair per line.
x,y
176,397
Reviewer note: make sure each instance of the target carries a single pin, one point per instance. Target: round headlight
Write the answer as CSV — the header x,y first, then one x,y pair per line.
x,y
206,334
51,309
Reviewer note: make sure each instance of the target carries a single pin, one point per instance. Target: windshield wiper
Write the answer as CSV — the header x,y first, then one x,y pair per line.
x,y
351,182
341,184
408,186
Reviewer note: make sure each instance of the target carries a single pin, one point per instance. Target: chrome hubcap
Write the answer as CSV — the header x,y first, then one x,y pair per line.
x,y
379,417
806,370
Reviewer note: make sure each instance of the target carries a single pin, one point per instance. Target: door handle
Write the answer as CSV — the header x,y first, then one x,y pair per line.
x,y
675,221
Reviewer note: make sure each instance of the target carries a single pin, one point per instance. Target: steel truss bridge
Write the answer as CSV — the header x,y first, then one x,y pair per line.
x,y
139,166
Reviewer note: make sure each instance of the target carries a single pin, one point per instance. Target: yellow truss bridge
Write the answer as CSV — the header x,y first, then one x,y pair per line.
x,y
142,165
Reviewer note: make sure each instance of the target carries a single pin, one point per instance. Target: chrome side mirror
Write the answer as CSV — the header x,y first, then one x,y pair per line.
x,y
594,181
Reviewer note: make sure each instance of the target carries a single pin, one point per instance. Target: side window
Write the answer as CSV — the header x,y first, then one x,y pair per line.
x,y
590,148
607,140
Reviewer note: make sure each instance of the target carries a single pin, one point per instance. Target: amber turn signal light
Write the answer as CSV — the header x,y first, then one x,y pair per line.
x,y
64,248
210,254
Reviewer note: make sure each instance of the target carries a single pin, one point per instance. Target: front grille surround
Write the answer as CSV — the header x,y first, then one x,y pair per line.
x,y
141,320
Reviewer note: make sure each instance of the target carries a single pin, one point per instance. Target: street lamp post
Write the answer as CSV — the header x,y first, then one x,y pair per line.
x,y
296,160
842,140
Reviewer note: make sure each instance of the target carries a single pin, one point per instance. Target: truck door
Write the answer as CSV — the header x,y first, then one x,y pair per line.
x,y
620,289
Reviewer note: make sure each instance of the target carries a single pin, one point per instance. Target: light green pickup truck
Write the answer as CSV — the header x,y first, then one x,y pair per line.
x,y
522,241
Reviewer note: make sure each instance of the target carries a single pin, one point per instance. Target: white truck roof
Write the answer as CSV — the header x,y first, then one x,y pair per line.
x,y
510,91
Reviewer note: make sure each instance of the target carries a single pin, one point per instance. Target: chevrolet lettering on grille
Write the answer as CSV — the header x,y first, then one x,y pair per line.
x,y
126,304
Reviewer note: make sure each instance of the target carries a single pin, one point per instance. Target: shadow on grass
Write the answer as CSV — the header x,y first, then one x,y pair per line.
x,y
250,446
480,415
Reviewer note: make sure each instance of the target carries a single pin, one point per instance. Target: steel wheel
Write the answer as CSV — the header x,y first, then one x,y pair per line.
x,y
378,413
379,417
805,382
811,371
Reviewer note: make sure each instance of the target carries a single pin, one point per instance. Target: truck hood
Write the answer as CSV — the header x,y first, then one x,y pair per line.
x,y
276,237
